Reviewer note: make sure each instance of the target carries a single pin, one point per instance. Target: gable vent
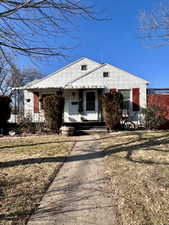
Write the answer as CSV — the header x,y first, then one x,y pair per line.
x,y
83,67
105,74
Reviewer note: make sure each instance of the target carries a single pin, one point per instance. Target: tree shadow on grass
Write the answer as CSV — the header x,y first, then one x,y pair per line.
x,y
61,141
73,193
124,147
147,144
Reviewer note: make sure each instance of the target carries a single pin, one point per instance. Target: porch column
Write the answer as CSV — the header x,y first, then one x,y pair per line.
x,y
81,101
100,114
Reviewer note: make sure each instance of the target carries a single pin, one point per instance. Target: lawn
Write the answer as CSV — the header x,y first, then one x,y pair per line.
x,y
138,167
27,166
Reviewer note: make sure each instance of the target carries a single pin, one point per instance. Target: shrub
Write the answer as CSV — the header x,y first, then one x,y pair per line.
x,y
154,117
112,105
5,112
54,107
26,125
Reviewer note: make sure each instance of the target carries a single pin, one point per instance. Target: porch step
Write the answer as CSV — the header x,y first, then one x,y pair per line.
x,y
88,127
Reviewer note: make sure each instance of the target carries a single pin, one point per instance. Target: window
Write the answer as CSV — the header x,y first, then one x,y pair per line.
x,y
83,67
90,101
126,98
105,74
74,103
42,101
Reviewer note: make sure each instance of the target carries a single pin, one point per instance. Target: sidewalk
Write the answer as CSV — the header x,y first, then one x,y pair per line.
x,y
79,194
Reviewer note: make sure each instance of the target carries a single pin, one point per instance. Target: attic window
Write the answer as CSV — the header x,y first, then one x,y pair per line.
x,y
105,74
83,67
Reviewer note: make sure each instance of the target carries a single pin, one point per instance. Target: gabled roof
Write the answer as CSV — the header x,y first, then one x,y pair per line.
x,y
71,76
117,78
67,74
62,69
130,74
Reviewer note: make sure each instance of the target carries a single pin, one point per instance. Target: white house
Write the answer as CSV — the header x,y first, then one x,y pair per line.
x,y
82,83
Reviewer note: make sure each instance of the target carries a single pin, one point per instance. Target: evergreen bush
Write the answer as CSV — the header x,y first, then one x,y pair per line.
x,y
154,117
5,112
54,107
112,105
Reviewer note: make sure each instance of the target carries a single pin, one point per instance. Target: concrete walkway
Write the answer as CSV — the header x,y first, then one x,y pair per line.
x,y
79,194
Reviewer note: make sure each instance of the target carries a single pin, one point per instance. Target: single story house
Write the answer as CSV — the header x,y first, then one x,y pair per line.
x,y
82,83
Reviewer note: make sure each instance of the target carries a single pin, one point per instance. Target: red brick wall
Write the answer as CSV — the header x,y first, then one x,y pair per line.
x,y
163,102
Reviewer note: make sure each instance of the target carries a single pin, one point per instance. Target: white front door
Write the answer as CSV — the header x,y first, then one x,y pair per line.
x,y
90,105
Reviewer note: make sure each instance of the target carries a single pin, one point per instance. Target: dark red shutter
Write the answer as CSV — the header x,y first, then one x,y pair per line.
x,y
36,102
113,90
136,99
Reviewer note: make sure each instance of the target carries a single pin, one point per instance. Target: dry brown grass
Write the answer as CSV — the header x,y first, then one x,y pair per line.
x,y
27,166
138,165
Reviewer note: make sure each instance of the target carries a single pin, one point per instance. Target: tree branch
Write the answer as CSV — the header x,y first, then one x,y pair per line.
x,y
22,23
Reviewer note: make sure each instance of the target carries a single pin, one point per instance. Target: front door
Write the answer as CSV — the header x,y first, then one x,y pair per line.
x,y
90,105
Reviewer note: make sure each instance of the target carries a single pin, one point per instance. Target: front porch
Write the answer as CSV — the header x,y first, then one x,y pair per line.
x,y
82,105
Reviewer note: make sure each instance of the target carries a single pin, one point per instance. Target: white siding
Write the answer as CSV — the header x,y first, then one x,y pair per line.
x,y
117,79
63,77
29,106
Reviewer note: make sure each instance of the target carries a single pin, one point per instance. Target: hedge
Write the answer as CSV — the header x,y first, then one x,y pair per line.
x,y
5,111
54,107
112,105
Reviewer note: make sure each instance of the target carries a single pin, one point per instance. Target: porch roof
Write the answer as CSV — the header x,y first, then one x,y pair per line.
x,y
54,87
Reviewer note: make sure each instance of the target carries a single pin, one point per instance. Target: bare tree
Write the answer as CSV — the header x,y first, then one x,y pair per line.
x,y
154,25
29,74
18,78
31,27
5,71
22,77
11,76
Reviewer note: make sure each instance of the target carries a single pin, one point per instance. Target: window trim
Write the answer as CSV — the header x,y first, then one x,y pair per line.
x,y
86,112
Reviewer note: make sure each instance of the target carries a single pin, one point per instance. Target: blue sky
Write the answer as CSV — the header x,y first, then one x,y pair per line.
x,y
117,42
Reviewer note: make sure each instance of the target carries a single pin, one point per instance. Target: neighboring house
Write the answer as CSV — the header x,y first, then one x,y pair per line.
x,y
82,83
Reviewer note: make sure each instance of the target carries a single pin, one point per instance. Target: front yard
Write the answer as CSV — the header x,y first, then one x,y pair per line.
x,y
138,166
27,166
